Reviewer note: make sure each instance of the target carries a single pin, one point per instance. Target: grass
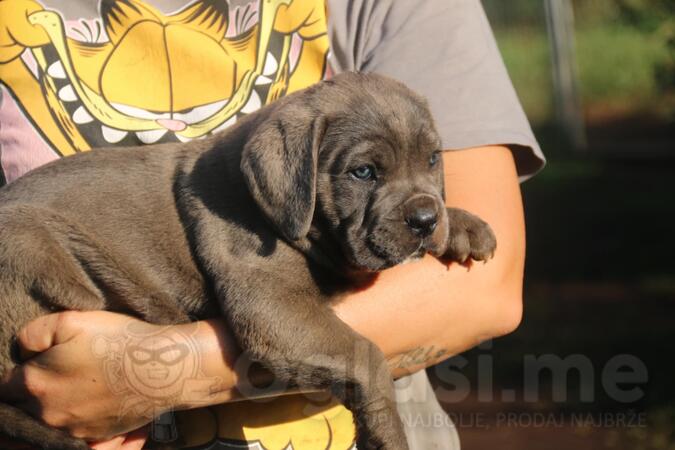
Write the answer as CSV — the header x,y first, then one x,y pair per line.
x,y
617,66
526,55
618,63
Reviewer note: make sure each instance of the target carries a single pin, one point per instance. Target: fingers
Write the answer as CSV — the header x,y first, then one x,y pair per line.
x,y
112,444
136,439
132,441
45,332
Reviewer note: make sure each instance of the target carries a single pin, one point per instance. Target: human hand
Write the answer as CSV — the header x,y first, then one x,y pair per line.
x,y
97,375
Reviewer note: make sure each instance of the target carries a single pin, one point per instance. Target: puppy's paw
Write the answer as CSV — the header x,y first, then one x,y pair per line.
x,y
469,237
380,427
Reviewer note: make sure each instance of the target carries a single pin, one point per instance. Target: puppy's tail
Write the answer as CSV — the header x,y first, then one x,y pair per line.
x,y
18,426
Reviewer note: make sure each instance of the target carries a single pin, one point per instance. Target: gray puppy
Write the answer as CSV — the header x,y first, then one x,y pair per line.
x,y
266,224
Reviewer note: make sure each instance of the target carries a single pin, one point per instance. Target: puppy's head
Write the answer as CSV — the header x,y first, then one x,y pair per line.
x,y
352,163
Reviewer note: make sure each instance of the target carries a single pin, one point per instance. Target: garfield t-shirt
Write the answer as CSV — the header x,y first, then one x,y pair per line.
x,y
82,74
75,75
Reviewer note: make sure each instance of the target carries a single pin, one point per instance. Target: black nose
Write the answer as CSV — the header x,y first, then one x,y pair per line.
x,y
422,222
421,215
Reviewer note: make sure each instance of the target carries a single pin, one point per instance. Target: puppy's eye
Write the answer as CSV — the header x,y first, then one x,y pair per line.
x,y
363,173
435,157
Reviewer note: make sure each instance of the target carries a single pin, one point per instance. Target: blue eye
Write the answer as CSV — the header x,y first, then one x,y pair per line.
x,y
363,173
435,157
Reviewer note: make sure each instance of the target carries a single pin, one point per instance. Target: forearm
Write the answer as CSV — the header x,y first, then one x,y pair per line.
x,y
441,311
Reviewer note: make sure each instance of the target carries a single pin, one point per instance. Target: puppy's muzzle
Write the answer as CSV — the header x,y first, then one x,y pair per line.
x,y
421,214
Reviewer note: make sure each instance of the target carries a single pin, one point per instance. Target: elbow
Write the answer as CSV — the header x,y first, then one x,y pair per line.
x,y
507,304
509,315
507,289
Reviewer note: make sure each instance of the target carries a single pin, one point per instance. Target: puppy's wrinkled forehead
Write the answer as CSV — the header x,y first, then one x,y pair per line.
x,y
377,107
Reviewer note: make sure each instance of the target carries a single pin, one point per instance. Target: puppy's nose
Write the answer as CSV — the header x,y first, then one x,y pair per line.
x,y
421,215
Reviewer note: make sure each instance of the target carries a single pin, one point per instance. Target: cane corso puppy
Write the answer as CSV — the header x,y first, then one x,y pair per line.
x,y
266,224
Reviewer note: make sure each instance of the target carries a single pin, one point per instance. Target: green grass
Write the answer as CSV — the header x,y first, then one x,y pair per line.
x,y
618,63
526,55
617,67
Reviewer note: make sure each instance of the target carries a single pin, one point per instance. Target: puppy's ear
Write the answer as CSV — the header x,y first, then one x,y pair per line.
x,y
279,163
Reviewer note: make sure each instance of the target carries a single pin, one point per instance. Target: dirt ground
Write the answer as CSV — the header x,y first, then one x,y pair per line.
x,y
544,438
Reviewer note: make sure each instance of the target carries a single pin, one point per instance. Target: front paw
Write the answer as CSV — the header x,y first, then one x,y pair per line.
x,y
469,237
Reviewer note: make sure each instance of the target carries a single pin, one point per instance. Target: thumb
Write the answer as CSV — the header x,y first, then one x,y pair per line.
x,y
45,332
111,444
136,439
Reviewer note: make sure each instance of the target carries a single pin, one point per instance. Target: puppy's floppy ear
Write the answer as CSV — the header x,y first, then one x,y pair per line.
x,y
279,163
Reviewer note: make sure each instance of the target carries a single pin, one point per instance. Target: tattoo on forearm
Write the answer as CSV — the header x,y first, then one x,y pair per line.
x,y
418,356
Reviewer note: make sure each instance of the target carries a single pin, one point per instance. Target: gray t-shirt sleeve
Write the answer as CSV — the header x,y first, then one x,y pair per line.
x,y
445,50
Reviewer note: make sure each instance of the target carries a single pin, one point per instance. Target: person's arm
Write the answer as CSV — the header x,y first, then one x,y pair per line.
x,y
426,305
420,314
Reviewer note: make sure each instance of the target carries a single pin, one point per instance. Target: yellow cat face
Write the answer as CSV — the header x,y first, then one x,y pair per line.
x,y
136,75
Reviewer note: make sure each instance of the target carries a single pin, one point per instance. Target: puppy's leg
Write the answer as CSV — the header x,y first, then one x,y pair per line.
x,y
303,343
46,265
68,268
469,237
